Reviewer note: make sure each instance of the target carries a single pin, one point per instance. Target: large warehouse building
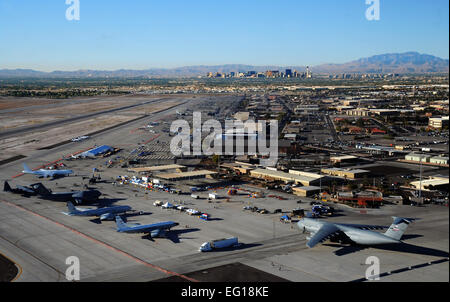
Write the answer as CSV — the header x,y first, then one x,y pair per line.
x,y
287,177
186,175
346,173
178,168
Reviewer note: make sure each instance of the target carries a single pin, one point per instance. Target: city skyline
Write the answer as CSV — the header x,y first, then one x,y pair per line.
x,y
142,34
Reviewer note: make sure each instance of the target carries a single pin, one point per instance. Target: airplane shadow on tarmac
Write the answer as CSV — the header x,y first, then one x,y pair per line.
x,y
124,217
106,202
401,247
215,219
241,246
174,235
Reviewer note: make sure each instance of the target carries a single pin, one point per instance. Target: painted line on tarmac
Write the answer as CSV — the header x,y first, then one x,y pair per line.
x,y
406,269
103,243
152,139
17,265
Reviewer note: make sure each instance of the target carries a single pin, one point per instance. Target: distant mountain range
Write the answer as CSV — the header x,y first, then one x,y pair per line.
x,y
409,62
404,63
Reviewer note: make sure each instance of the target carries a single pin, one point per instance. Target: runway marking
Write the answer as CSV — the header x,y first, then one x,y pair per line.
x,y
152,139
406,269
166,116
168,272
33,256
136,129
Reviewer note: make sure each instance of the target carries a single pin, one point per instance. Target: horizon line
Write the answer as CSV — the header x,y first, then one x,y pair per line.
x,y
209,65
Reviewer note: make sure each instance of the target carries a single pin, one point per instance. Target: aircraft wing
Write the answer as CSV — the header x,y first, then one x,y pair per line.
x,y
25,190
325,232
365,226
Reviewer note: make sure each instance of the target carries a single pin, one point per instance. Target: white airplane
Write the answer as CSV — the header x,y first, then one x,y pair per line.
x,y
80,138
46,173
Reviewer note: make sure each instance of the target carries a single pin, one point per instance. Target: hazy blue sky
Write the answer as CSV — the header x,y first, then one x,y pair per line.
x,y
140,34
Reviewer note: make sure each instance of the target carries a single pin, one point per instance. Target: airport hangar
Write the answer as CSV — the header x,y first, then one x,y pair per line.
x,y
305,180
178,168
186,175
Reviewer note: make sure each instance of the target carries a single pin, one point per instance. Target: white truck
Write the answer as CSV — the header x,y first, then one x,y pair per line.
x,y
213,196
219,244
158,203
192,212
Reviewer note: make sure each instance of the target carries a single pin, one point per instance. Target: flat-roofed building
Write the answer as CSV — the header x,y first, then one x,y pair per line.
x,y
358,112
433,183
302,173
178,168
306,108
243,116
286,177
306,191
416,157
239,167
438,122
439,160
350,102
387,112
343,158
186,175
344,108
346,173
291,136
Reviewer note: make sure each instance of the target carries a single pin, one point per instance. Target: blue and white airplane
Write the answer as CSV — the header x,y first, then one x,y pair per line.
x,y
154,230
46,173
103,213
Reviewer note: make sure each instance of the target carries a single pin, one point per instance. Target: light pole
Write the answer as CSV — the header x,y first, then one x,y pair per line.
x,y
320,177
420,183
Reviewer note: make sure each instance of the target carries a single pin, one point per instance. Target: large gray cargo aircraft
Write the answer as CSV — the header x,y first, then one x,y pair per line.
x,y
78,197
25,191
353,233
153,230
108,213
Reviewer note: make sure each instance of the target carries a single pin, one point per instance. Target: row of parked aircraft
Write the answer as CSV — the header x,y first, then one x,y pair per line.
x,y
320,231
38,189
114,213
105,213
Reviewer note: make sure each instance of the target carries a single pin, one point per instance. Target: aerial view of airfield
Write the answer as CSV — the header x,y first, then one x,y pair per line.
x,y
224,141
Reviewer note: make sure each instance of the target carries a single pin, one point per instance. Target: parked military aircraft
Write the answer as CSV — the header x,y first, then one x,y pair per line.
x,y
353,233
78,197
25,191
103,213
46,173
154,230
